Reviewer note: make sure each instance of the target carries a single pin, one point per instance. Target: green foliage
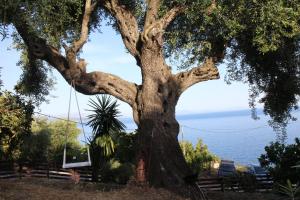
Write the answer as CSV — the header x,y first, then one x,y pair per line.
x,y
123,173
197,33
125,147
204,25
104,118
58,131
117,172
260,39
198,158
121,166
15,123
34,81
265,54
35,147
247,182
289,189
279,159
55,21
106,128
112,150
106,143
47,141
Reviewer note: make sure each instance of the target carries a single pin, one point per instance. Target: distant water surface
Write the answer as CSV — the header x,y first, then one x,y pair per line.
x,y
230,135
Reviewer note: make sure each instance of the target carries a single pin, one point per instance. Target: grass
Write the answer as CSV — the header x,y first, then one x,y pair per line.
x,y
36,189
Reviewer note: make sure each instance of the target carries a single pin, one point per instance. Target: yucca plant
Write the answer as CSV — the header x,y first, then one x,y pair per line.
x,y
107,144
105,124
289,189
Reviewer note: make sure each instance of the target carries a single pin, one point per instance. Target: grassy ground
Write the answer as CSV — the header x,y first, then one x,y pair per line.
x,y
38,189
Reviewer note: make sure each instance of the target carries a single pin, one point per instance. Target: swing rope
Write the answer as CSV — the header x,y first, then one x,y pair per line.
x,y
68,119
75,164
81,123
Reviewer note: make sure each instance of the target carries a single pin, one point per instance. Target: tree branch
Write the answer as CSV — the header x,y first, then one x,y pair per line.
x,y
72,51
170,16
154,27
152,12
159,25
105,83
86,83
127,24
206,71
89,8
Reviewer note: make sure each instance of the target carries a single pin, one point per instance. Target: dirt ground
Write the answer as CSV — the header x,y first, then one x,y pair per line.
x,y
40,189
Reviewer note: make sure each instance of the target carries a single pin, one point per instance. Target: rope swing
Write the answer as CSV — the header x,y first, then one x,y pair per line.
x,y
75,164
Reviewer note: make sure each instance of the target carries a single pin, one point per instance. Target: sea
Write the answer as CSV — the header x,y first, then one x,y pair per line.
x,y
233,135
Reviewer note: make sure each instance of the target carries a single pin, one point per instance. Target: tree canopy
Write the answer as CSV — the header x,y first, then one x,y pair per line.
x,y
258,39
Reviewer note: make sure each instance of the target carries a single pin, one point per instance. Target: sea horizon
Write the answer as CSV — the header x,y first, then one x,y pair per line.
x,y
231,135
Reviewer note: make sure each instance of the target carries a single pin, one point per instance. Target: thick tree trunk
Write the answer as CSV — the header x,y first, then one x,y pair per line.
x,y
159,148
160,161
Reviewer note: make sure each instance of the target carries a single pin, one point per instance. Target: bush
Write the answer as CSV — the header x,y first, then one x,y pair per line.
x,y
247,182
35,148
116,172
47,140
279,159
123,173
198,158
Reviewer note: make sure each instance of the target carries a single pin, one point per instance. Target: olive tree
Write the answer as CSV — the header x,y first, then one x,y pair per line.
x,y
258,39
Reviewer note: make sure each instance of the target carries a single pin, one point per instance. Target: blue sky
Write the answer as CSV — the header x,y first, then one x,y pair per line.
x,y
106,52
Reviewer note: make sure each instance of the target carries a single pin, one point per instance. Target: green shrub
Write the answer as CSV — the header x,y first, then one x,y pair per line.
x,y
279,159
247,182
123,173
115,172
15,122
198,158
289,189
